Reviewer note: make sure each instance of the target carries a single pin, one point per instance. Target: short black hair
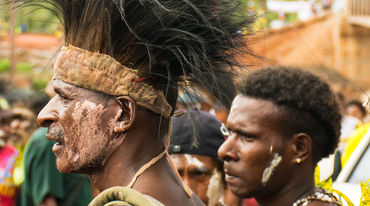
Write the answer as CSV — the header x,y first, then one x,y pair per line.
x,y
307,103
357,104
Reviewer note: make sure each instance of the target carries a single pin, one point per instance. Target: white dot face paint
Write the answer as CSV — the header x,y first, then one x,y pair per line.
x,y
268,172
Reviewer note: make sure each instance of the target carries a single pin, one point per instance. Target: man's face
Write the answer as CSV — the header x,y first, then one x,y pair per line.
x,y
81,122
21,127
196,171
254,154
354,111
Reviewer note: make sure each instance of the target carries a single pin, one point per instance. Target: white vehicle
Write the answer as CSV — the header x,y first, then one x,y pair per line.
x,y
356,170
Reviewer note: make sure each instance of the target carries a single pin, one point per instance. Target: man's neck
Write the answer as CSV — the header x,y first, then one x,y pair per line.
x,y
121,167
289,193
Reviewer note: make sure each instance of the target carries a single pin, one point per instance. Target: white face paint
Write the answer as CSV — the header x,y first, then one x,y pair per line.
x,y
267,173
87,136
194,161
215,188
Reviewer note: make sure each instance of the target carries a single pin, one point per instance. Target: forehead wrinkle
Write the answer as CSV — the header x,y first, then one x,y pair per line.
x,y
63,87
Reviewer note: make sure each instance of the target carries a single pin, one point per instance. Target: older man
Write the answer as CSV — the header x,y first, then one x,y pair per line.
x,y
117,81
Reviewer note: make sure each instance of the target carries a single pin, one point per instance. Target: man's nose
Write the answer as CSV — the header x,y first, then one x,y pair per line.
x,y
228,150
47,115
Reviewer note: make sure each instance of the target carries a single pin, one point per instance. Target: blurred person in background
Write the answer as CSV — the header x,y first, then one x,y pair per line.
x,y
25,104
355,108
8,156
199,101
195,139
341,102
351,124
357,111
282,123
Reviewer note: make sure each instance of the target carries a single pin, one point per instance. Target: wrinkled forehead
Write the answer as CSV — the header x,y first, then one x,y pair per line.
x,y
59,84
61,87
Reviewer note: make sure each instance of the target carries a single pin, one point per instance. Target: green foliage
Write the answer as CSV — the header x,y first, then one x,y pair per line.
x,y
22,67
365,189
37,20
327,185
291,17
4,65
34,19
39,84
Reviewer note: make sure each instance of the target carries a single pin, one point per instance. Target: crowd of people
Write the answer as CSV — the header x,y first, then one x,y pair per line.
x,y
145,111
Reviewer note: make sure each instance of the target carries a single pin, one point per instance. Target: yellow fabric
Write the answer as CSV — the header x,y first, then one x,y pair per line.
x,y
353,141
123,196
19,170
102,73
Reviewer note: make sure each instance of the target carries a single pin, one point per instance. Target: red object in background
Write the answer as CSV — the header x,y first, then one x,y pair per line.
x,y
250,202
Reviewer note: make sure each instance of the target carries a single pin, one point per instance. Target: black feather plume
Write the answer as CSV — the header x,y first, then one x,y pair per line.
x,y
168,41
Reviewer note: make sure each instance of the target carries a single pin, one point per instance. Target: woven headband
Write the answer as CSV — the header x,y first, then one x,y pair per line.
x,y
102,73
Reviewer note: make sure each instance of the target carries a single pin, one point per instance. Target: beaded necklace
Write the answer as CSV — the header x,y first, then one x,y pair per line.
x,y
320,195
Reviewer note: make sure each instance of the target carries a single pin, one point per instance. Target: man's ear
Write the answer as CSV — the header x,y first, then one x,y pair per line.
x,y
126,117
302,145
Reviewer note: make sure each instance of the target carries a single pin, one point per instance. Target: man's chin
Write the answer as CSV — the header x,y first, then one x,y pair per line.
x,y
241,192
65,167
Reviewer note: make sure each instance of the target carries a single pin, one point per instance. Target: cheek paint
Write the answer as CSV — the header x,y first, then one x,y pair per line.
x,y
267,173
86,116
215,188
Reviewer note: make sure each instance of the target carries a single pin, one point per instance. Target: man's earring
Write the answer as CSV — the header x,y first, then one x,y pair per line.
x,y
298,160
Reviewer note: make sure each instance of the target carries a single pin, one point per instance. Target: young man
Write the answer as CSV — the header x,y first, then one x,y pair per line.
x,y
283,122
117,81
196,137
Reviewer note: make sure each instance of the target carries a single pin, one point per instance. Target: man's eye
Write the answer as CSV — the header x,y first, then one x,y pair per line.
x,y
64,98
199,173
244,135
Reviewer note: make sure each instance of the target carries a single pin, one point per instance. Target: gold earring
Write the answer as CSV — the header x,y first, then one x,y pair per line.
x,y
298,160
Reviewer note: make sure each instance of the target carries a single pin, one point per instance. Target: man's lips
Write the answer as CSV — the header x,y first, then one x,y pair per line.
x,y
230,178
59,142
54,138
230,175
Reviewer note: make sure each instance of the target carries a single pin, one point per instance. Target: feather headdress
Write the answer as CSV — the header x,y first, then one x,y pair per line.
x,y
172,44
